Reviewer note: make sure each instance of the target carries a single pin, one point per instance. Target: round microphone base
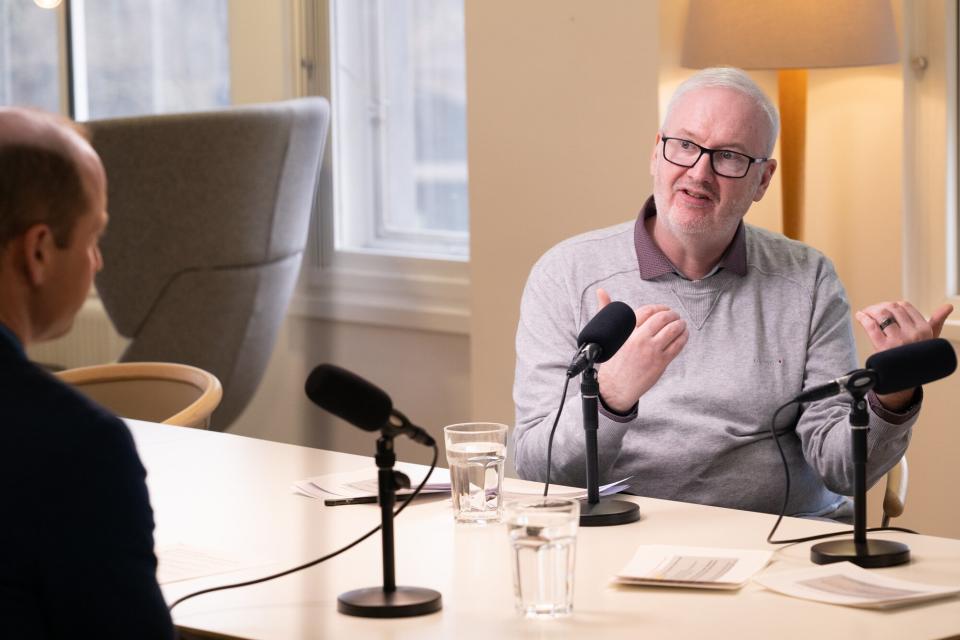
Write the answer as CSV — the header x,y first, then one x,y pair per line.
x,y
869,555
374,602
608,512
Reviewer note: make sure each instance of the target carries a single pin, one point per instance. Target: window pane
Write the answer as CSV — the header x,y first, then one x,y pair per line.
x,y
29,55
153,56
425,70
400,150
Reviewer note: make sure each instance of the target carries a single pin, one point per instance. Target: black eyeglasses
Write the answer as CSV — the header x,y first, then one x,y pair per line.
x,y
726,163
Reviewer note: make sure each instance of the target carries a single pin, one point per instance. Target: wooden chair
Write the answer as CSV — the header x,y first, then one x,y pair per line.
x,y
165,392
895,495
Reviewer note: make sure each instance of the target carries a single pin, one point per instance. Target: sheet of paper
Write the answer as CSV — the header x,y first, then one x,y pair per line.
x,y
354,484
701,567
363,482
604,490
847,584
183,562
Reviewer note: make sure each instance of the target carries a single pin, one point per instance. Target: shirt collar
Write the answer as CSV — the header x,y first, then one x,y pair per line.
x,y
6,335
653,263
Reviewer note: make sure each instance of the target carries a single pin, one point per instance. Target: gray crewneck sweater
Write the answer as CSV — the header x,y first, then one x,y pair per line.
x,y
701,433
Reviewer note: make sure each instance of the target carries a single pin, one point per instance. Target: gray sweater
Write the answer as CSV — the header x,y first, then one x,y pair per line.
x,y
701,433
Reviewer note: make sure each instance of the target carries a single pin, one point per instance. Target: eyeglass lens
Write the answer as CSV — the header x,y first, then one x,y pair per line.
x,y
729,164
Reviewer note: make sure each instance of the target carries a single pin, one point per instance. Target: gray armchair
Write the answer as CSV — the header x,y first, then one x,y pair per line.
x,y
209,214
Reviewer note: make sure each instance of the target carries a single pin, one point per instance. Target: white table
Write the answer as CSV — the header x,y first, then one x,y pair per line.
x,y
232,493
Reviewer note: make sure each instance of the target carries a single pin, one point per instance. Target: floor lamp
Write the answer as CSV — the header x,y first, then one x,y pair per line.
x,y
790,36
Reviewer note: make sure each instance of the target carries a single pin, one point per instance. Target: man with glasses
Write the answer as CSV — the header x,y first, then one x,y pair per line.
x,y
731,322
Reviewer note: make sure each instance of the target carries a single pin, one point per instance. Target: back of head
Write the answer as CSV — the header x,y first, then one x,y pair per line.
x,y
734,80
40,175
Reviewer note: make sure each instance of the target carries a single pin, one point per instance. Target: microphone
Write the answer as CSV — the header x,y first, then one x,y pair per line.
x,y
603,336
912,365
361,403
904,367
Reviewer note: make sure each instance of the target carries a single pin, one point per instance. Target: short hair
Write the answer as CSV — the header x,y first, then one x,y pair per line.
x,y
736,80
41,184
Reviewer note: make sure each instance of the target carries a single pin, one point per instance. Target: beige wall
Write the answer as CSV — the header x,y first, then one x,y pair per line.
x,y
426,374
261,51
562,114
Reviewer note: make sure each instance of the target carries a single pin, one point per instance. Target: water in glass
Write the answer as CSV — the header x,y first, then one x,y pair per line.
x,y
476,475
544,552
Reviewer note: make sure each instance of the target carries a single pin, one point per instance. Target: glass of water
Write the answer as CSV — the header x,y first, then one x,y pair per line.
x,y
475,454
543,533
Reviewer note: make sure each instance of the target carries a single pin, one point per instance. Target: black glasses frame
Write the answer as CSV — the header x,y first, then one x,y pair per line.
x,y
710,152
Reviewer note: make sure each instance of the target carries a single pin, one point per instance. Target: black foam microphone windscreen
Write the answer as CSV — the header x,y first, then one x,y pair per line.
x,y
348,396
912,365
609,329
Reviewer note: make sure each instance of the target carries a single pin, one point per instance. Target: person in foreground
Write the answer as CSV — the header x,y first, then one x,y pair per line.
x,y
76,545
731,322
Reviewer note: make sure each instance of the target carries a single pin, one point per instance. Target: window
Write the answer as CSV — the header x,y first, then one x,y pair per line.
x,y
398,93
390,238
125,56
931,117
29,74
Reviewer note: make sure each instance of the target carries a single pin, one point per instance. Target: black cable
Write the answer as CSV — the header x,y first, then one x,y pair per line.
x,y
786,496
433,464
846,532
786,472
553,429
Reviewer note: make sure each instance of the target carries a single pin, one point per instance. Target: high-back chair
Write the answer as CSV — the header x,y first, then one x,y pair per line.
x,y
165,392
209,214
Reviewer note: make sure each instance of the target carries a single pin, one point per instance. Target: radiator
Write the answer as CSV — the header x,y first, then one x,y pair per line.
x,y
92,340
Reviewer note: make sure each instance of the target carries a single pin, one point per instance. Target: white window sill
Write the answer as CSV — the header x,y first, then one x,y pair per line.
x,y
408,293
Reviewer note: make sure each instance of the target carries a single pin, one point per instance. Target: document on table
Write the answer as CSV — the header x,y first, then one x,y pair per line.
x,y
847,584
363,483
699,567
178,562
603,490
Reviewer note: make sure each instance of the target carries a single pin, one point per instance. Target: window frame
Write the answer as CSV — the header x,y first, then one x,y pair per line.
x,y
930,226
366,286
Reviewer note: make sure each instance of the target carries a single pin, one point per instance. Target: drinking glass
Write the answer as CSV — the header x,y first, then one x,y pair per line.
x,y
543,534
475,455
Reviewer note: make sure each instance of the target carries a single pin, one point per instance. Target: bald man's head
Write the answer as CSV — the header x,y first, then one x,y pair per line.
x,y
45,167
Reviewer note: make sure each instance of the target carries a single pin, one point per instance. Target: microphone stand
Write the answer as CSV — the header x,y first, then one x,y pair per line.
x,y
389,601
868,554
593,511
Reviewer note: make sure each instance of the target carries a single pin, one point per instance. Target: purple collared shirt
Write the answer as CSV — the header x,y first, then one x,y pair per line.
x,y
653,263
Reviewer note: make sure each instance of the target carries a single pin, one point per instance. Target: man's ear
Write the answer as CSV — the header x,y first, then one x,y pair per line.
x,y
769,167
36,250
653,155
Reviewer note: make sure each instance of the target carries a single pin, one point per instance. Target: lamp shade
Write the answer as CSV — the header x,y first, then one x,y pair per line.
x,y
789,34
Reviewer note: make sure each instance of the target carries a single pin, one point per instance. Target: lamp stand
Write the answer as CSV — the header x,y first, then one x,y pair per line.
x,y
792,85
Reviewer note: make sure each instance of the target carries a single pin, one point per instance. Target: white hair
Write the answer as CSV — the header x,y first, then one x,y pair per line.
x,y
737,80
